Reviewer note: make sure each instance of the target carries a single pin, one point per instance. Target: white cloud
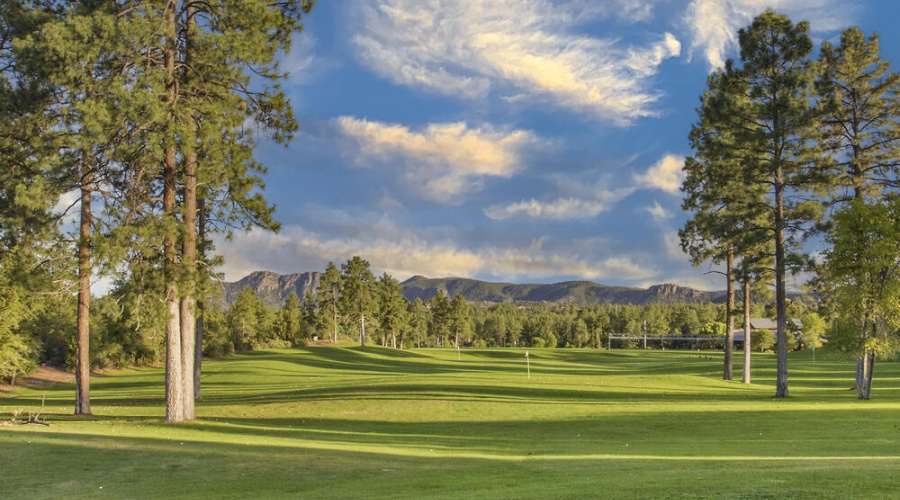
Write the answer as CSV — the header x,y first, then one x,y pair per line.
x,y
672,244
658,211
67,205
667,174
714,24
562,208
526,48
404,253
300,62
445,159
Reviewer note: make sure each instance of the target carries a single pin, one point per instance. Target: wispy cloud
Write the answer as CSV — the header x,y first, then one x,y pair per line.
x,y
300,63
583,204
524,48
658,211
714,24
444,159
667,174
672,244
562,208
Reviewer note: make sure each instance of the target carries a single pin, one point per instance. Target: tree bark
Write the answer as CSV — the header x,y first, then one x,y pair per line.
x,y
188,318
781,383
83,334
334,313
188,302
728,370
870,373
198,351
861,389
747,335
362,330
174,374
198,338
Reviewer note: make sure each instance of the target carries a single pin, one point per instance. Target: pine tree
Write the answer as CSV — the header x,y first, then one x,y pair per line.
x,y
357,293
765,119
30,253
288,324
440,317
726,214
392,308
328,293
459,318
418,321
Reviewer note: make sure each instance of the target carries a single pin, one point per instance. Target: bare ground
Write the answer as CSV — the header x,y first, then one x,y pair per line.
x,y
43,377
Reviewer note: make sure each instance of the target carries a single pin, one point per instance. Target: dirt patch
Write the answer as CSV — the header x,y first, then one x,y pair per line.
x,y
42,378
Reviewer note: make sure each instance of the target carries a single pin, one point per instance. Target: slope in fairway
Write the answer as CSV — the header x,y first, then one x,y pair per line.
x,y
344,422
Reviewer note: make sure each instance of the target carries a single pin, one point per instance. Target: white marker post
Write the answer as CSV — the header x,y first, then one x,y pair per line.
x,y
528,362
458,355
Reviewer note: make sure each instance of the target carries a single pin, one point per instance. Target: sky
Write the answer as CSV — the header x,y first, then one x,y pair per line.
x,y
527,141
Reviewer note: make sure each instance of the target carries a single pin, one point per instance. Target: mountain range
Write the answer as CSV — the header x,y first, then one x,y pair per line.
x,y
273,289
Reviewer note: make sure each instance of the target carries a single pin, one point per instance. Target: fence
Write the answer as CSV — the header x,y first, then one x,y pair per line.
x,y
675,341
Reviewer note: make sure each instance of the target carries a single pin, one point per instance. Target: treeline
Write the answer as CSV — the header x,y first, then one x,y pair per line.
x,y
128,324
351,304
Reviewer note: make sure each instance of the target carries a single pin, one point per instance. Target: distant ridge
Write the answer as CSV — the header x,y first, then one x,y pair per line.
x,y
273,289
566,292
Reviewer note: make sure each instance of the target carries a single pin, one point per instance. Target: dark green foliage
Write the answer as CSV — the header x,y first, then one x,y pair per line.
x,y
17,351
459,319
288,325
251,325
328,293
392,313
440,318
357,294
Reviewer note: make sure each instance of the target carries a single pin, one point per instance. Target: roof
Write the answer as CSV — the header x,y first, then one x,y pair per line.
x,y
770,324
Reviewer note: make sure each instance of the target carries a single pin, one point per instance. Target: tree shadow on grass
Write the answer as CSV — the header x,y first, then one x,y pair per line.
x,y
368,459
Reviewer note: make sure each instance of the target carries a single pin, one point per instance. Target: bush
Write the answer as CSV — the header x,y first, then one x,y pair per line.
x,y
762,340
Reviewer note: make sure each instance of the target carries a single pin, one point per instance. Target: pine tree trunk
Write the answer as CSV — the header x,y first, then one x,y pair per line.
x,y
188,318
188,303
83,334
334,314
174,375
747,336
781,383
198,339
728,370
198,351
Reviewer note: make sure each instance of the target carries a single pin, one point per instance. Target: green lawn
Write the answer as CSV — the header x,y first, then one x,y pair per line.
x,y
378,423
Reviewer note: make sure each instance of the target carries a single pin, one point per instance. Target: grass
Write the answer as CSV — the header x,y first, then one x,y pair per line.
x,y
378,423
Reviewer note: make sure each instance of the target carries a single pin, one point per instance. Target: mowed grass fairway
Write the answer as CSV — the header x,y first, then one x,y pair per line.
x,y
346,422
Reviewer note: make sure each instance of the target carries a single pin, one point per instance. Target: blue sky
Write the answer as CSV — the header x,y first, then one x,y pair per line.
x,y
506,140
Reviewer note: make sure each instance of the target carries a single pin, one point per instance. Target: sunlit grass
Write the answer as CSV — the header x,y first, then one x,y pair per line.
x,y
378,423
